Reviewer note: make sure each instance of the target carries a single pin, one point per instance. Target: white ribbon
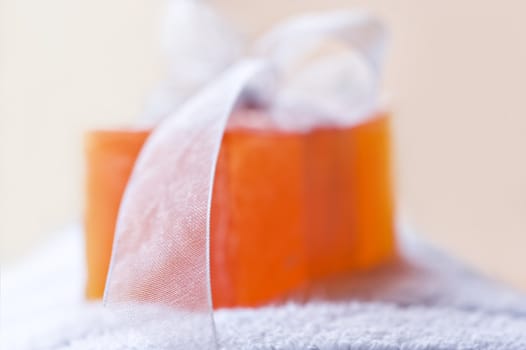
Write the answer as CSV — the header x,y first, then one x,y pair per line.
x,y
161,247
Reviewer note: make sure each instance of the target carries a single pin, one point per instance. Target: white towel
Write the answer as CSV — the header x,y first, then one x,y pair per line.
x,y
428,301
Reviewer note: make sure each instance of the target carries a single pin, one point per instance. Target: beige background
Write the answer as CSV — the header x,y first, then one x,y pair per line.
x,y
456,74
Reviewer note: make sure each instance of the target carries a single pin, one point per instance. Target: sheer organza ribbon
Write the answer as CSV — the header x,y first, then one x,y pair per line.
x,y
160,262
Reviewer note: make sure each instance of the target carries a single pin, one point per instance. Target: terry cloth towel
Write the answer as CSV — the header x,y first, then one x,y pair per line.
x,y
427,301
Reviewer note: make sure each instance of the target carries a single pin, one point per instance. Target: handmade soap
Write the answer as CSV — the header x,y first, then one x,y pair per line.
x,y
291,208
288,208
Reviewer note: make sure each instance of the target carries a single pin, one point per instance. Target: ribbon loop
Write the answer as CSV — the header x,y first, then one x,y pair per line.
x,y
334,90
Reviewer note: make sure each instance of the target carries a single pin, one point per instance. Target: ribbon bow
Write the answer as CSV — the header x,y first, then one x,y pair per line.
x,y
161,247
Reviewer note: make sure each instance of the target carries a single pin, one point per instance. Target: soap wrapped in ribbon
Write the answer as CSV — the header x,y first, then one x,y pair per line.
x,y
257,187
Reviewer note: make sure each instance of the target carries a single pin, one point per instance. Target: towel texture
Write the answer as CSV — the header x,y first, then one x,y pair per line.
x,y
425,301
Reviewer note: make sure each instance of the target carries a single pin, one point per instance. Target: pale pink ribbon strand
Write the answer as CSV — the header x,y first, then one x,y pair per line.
x,y
160,264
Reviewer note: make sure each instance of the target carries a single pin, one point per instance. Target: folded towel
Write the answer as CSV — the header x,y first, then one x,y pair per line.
x,y
426,301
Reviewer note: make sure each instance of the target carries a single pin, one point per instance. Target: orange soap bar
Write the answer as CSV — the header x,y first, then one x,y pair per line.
x,y
287,208
291,208
110,156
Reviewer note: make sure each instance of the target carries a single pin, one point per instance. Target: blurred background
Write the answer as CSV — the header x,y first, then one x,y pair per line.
x,y
456,75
